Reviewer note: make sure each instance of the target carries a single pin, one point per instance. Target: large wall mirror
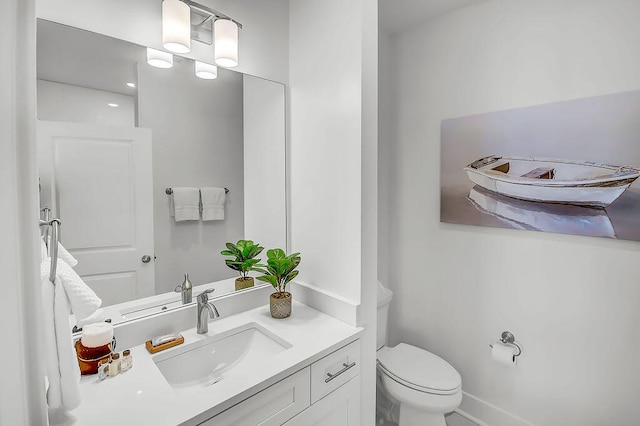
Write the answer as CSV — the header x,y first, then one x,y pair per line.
x,y
114,133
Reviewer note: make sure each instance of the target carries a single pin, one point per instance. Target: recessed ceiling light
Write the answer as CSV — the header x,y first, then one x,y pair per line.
x,y
112,105
132,85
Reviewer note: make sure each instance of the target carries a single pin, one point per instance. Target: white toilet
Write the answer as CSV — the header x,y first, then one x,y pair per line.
x,y
426,386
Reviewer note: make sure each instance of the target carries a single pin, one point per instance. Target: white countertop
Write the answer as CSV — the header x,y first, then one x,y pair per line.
x,y
143,395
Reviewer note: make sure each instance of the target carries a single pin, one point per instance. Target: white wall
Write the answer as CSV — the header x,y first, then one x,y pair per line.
x,y
264,162
333,175
326,142
263,40
385,152
197,140
65,102
571,301
21,397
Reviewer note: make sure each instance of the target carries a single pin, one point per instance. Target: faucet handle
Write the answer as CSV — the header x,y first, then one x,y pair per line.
x,y
204,296
186,284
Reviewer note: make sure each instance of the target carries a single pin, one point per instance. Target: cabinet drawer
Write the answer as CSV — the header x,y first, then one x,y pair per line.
x,y
334,370
272,406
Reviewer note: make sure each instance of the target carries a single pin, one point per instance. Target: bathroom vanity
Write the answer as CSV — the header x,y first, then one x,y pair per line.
x,y
298,371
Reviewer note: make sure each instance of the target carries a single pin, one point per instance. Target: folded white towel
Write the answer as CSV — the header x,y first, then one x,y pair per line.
x,y
62,254
44,253
82,298
213,200
185,204
61,363
66,256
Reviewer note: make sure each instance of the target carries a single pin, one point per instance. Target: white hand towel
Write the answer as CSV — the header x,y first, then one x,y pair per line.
x,y
61,363
66,256
44,253
62,254
213,200
185,204
83,299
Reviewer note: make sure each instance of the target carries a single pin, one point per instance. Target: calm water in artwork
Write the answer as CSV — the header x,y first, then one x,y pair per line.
x,y
472,205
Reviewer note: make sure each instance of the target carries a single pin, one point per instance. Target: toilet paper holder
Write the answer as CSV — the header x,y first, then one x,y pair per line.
x,y
509,339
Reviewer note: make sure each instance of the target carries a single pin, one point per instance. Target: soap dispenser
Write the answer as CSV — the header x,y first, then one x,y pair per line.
x,y
185,288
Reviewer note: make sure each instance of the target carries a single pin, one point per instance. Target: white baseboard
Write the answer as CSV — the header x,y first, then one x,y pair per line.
x,y
486,414
325,301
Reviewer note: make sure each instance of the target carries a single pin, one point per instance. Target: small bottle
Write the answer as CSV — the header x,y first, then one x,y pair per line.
x,y
127,360
115,365
103,368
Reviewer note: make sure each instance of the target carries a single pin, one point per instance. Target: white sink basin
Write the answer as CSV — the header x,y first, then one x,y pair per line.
x,y
207,361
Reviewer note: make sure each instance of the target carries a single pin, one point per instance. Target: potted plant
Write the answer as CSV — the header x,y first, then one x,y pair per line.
x,y
244,253
280,270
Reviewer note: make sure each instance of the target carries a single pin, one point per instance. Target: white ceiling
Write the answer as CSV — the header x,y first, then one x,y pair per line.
x,y
396,15
82,58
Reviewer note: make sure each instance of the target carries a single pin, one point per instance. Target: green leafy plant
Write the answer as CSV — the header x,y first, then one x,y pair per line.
x,y
244,253
280,269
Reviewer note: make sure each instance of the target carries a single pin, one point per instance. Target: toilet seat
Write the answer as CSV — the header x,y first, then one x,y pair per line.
x,y
419,370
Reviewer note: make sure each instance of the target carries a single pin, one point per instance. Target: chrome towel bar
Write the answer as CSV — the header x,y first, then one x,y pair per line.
x,y
169,191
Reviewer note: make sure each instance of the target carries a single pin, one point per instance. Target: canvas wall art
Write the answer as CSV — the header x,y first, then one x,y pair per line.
x,y
569,167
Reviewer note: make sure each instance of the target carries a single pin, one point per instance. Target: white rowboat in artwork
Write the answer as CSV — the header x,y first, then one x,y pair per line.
x,y
552,181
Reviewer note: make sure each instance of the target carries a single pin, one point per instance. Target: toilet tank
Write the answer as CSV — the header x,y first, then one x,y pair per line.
x,y
384,298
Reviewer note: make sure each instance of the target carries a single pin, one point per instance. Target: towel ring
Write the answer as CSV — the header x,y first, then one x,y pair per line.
x,y
54,224
169,191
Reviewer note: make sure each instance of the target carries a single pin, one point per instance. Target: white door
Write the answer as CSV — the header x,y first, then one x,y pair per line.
x,y
98,181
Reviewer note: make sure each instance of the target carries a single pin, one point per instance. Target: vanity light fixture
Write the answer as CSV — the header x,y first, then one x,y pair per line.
x,y
225,35
206,71
176,26
113,105
159,59
208,26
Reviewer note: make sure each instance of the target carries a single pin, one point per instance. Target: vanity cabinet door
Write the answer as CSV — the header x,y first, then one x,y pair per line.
x,y
340,408
270,407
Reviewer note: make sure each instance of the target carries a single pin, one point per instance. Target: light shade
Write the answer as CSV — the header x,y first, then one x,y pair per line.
x,y
206,71
225,36
176,26
158,58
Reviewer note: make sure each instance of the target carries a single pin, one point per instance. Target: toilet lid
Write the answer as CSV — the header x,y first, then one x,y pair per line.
x,y
419,369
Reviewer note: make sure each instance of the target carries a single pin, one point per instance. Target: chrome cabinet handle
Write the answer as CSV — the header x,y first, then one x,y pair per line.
x,y
345,367
146,258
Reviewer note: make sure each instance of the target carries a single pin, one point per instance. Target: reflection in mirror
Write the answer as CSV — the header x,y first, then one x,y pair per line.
x,y
114,133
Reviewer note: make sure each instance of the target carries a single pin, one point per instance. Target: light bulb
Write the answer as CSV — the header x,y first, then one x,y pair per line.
x,y
159,59
176,26
206,71
226,42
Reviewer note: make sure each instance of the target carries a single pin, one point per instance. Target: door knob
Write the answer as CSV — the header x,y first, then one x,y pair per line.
x,y
146,258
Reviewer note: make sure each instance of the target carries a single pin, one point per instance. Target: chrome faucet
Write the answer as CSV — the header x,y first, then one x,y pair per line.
x,y
203,306
185,288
